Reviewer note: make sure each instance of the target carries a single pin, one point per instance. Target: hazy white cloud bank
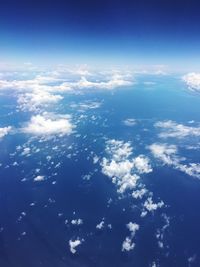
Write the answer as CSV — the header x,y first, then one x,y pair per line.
x,y
47,88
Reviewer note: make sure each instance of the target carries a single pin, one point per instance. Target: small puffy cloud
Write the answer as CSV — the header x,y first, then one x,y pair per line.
x,y
39,178
133,227
4,131
100,225
49,124
87,105
139,193
193,81
142,165
73,244
128,244
151,206
77,222
119,150
130,122
173,129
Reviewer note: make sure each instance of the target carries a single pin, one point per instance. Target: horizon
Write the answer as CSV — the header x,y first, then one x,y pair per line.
x,y
101,33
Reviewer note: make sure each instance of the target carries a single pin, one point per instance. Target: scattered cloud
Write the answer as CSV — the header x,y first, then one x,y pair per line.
x,y
151,206
100,225
77,221
123,170
4,131
165,153
173,129
168,154
128,243
39,178
73,244
130,122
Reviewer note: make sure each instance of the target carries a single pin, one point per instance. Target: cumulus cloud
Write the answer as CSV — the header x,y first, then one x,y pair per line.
x,y
100,225
4,131
37,99
173,129
133,227
73,244
39,178
139,193
49,124
151,206
128,243
77,221
123,170
142,165
193,81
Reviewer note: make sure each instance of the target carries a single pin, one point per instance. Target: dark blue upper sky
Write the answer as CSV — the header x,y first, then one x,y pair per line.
x,y
111,31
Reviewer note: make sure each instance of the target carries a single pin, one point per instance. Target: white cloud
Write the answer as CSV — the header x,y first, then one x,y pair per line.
x,y
133,227
193,81
139,193
119,150
130,122
128,244
142,165
4,131
87,105
39,178
74,244
151,206
173,129
37,99
192,169
100,225
168,154
165,153
123,170
114,82
77,222
49,124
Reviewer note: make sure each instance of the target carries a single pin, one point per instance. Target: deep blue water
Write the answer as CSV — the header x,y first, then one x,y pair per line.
x,y
46,240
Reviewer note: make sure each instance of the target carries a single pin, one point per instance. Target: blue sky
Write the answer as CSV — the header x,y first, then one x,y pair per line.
x,y
101,32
